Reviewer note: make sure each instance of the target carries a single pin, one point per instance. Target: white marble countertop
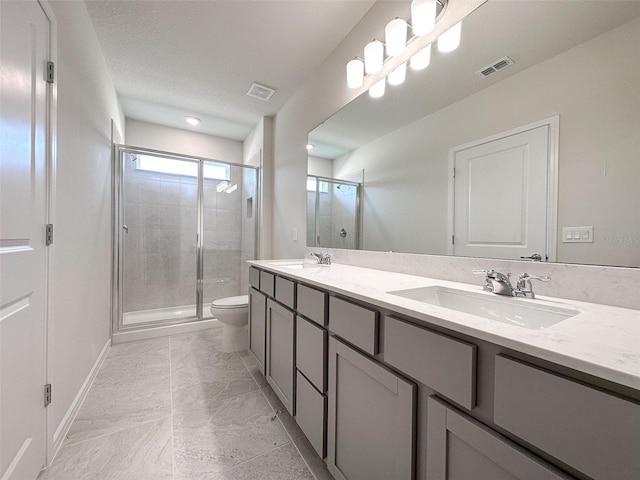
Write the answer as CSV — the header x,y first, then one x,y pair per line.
x,y
601,340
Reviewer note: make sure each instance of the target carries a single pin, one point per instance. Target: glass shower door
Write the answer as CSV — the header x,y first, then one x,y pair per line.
x,y
229,231
159,201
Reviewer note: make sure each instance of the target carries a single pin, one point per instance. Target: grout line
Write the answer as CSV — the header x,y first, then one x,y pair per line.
x,y
251,459
173,447
70,443
292,441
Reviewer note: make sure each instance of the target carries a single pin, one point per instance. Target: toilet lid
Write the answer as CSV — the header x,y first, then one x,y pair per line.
x,y
231,302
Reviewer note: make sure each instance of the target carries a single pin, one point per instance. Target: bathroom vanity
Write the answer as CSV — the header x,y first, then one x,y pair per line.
x,y
394,376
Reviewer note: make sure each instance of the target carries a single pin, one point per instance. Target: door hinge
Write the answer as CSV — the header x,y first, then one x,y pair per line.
x,y
453,173
453,240
49,234
47,394
50,72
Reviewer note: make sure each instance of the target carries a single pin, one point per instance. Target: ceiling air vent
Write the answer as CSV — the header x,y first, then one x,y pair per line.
x,y
494,67
260,91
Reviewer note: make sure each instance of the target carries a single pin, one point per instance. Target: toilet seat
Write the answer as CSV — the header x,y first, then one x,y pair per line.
x,y
231,302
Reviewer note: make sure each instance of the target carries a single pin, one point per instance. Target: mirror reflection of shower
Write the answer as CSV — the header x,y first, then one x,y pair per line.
x,y
190,227
333,212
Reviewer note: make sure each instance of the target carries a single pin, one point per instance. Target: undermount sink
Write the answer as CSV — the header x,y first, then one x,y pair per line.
x,y
517,312
298,265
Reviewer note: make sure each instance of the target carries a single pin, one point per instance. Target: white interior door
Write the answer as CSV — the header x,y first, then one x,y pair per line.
x,y
501,193
24,48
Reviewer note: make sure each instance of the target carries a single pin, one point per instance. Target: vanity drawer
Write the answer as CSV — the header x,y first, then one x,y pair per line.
x,y
443,363
311,348
285,292
267,283
311,414
312,304
254,277
357,325
596,433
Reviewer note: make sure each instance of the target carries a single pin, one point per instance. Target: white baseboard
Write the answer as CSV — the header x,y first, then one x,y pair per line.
x,y
62,430
155,332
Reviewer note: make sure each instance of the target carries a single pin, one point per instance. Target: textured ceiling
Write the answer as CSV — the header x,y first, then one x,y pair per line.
x,y
169,59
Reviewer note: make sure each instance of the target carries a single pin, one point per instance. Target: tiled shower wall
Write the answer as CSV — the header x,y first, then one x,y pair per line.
x,y
337,211
160,248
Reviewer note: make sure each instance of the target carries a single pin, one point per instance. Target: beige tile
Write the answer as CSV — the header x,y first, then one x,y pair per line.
x,y
214,436
283,463
132,387
285,418
141,453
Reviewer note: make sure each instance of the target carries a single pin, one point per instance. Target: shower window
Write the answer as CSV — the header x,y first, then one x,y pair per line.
x,y
184,234
153,163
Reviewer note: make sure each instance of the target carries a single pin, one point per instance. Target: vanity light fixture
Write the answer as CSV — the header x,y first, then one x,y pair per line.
x,y
232,188
421,59
222,186
377,89
191,120
450,40
373,57
423,16
395,36
398,74
355,75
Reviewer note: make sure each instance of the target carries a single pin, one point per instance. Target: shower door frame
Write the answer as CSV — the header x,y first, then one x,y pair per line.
x,y
358,214
117,286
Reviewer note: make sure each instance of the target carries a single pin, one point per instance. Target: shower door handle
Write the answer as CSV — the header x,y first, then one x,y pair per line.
x,y
125,228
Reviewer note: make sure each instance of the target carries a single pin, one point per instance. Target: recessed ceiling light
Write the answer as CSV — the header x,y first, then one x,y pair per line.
x,y
192,120
309,146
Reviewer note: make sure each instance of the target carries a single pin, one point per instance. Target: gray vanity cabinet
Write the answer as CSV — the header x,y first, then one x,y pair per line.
x,y
280,367
257,326
371,418
460,448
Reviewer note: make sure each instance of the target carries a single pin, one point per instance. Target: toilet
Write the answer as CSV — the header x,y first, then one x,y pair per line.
x,y
233,313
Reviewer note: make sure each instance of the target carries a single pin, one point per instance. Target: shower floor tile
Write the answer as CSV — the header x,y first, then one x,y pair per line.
x,y
179,408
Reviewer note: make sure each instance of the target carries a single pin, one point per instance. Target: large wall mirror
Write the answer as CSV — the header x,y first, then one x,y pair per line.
x,y
575,75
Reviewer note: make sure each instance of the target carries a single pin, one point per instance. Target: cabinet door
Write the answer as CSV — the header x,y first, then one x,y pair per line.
x,y
280,368
371,418
257,326
460,448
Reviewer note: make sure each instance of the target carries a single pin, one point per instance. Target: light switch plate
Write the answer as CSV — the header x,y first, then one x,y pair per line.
x,y
577,234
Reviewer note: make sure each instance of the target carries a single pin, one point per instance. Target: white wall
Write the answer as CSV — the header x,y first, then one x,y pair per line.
x,y
258,152
323,167
80,321
324,93
186,142
589,86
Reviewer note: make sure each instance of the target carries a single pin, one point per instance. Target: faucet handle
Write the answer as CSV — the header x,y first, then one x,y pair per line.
x,y
488,286
526,276
521,288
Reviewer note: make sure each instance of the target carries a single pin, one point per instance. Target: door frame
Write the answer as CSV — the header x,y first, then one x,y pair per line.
x,y
553,124
50,445
117,284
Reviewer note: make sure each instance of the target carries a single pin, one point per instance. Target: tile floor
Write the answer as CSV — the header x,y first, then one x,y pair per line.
x,y
177,408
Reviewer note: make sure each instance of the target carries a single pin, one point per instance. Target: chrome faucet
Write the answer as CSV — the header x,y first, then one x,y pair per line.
x,y
500,284
322,258
524,280
496,282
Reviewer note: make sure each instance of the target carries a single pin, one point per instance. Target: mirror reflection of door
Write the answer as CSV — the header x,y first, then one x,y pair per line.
x,y
502,195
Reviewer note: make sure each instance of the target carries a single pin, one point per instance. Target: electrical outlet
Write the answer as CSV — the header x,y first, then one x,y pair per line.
x,y
577,235
295,234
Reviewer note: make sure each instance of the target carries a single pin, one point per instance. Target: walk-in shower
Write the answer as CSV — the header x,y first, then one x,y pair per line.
x,y
333,212
185,227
